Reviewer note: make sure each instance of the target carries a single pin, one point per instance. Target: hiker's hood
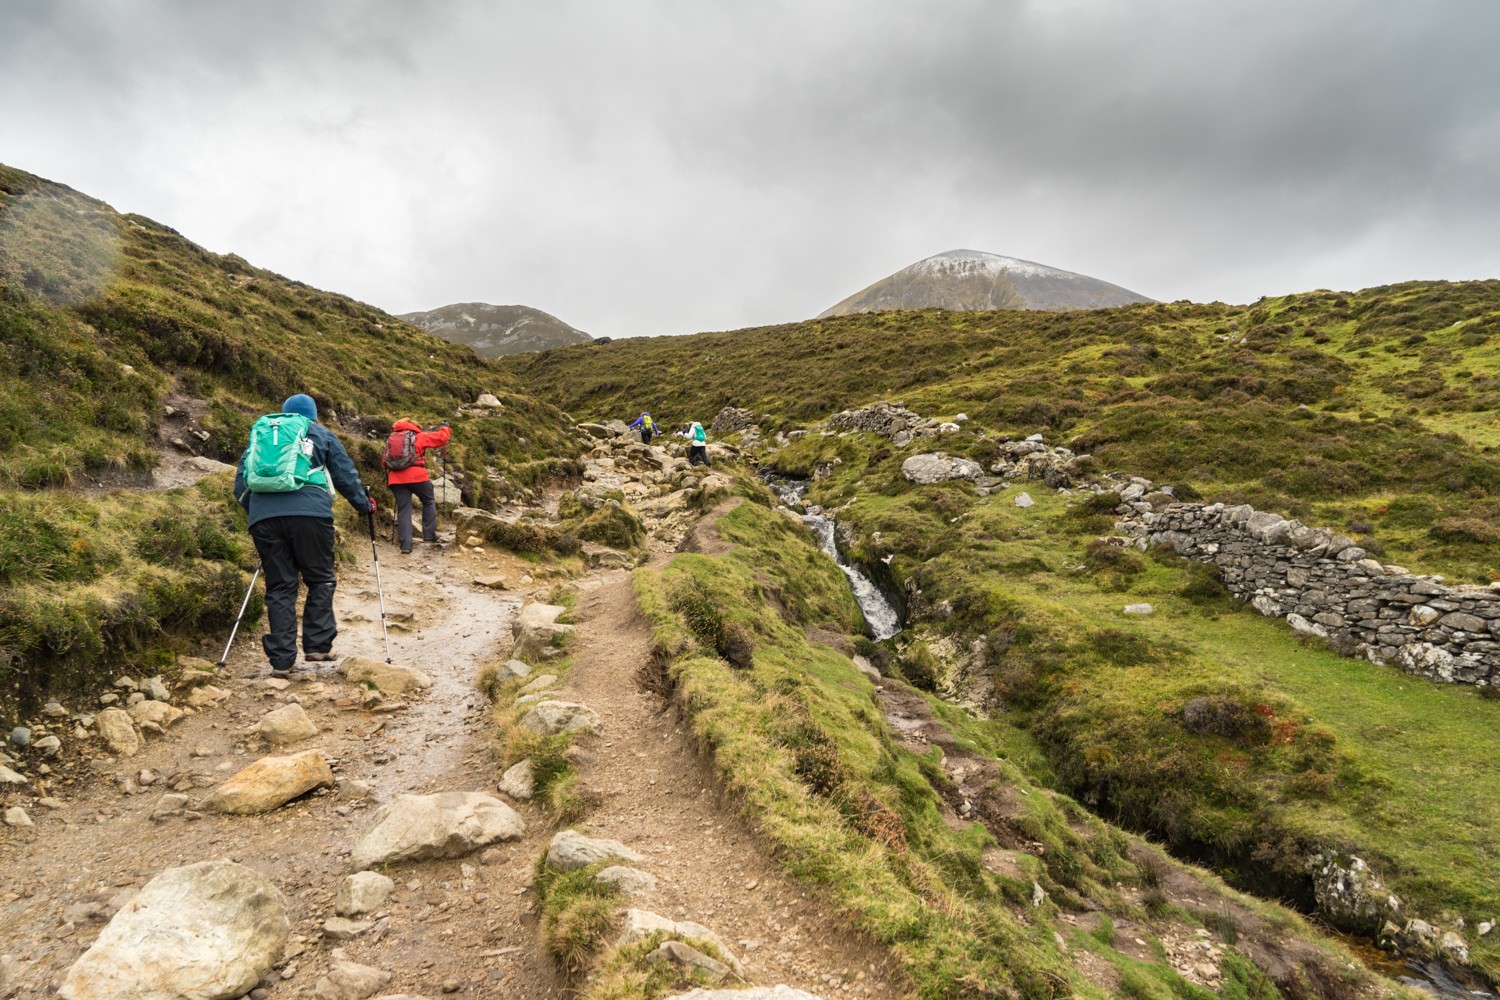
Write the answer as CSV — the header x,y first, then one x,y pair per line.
x,y
301,404
406,425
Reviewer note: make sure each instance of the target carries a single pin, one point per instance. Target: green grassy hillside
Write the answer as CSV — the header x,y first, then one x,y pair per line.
x,y
104,318
1372,412
1368,412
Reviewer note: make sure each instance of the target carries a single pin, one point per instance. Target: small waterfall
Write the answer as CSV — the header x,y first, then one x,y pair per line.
x,y
881,617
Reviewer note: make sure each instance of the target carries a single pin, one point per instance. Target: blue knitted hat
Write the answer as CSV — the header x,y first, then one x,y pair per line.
x,y
302,404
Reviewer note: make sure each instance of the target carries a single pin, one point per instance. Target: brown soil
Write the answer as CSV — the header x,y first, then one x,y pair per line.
x,y
460,923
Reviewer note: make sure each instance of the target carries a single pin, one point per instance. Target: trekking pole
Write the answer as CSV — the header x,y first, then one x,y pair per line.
x,y
238,618
378,592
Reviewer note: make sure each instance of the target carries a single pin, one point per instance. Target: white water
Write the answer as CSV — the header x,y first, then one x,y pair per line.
x,y
881,617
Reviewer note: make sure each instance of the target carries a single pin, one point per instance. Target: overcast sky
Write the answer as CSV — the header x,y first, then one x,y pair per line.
x,y
669,166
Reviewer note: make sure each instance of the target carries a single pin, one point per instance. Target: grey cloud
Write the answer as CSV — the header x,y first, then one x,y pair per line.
x,y
667,166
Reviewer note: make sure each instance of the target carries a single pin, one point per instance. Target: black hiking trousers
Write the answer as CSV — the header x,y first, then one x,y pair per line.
x,y
403,494
646,435
698,455
293,547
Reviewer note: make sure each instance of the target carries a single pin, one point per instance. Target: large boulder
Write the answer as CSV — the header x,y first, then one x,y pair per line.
x,y
937,467
570,850
390,678
208,930
271,782
442,825
561,717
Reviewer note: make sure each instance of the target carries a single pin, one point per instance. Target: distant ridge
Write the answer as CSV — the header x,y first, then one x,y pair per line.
x,y
972,280
496,330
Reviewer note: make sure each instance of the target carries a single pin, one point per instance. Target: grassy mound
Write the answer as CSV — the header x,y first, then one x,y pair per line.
x,y
105,320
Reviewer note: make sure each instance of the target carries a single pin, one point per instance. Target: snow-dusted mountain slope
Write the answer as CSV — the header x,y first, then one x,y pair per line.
x,y
973,280
495,330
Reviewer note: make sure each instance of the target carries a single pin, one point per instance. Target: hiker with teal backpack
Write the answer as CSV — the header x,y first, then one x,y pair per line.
x,y
697,444
285,481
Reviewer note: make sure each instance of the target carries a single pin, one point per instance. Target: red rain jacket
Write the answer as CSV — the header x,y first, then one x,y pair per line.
x,y
416,472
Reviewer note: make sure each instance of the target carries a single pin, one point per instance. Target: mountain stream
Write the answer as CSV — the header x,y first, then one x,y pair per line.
x,y
882,620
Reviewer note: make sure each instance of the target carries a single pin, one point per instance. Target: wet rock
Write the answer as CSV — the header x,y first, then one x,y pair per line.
x,y
286,725
518,781
361,893
209,930
118,732
270,783
390,678
630,881
562,717
443,825
570,850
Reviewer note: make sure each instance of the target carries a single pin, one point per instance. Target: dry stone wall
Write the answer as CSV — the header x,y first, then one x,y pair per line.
x,y
1324,584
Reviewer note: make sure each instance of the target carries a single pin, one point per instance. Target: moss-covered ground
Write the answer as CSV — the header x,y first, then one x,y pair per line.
x,y
800,736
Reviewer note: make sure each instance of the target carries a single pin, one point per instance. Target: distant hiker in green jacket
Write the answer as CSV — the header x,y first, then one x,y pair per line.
x,y
647,427
697,444
285,482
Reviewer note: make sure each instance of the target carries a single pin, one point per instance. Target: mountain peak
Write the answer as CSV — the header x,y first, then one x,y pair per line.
x,y
977,280
495,330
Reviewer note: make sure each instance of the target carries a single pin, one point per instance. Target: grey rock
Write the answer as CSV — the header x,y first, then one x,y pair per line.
x,y
630,881
571,850
1023,500
349,980
442,825
9,777
518,781
561,717
1138,609
778,992
361,893
938,467
210,930
16,816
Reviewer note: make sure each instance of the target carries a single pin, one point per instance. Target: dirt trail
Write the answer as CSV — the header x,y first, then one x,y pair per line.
x,y
657,795
464,925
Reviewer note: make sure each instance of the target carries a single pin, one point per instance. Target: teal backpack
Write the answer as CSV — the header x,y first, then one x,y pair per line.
x,y
280,455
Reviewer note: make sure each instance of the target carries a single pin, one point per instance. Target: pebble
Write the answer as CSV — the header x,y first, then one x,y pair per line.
x,y
20,736
452,985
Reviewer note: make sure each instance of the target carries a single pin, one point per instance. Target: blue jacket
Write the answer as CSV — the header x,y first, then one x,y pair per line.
x,y
309,501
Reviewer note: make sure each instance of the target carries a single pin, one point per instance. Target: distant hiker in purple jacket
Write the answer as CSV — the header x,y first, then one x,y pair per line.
x,y
647,427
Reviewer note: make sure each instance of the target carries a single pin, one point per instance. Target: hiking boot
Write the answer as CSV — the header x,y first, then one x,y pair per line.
x,y
284,675
433,543
324,657
406,552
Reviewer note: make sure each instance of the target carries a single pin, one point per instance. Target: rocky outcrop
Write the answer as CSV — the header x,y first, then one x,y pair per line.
x,y
732,419
442,825
208,930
